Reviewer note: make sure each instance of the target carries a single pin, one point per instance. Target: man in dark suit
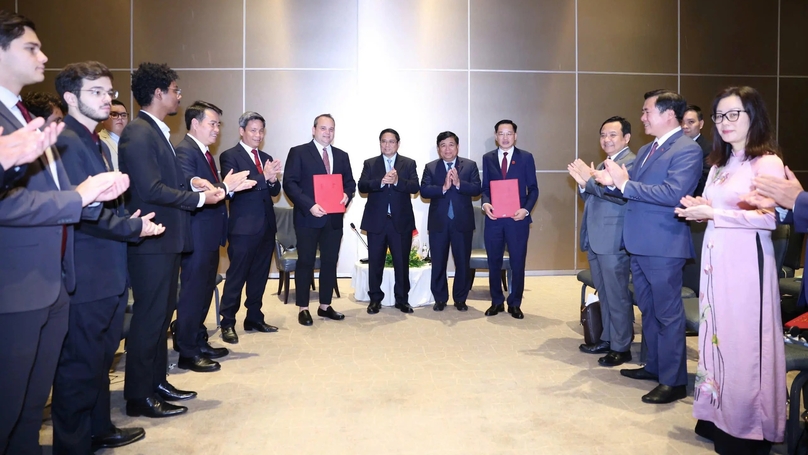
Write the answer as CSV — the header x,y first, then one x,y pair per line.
x,y
24,146
389,180
209,232
36,244
81,403
449,183
508,162
602,240
659,243
251,229
159,186
314,227
692,123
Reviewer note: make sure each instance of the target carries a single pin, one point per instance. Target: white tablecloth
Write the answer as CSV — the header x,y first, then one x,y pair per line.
x,y
420,292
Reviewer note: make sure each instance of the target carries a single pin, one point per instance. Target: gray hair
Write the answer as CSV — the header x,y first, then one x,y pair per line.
x,y
249,116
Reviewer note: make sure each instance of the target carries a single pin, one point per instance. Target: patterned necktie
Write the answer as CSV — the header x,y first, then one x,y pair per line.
x,y
450,213
504,164
25,114
257,161
651,153
212,166
326,161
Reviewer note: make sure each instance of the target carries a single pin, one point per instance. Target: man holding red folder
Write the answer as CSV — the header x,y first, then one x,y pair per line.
x,y
509,175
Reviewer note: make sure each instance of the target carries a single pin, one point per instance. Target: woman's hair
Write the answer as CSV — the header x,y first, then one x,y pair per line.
x,y
759,138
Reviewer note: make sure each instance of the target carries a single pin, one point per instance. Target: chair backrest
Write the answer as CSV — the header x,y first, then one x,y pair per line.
x,y
478,239
780,239
284,219
691,273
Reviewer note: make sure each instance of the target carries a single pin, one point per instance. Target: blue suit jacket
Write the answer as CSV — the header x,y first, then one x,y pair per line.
x,y
432,189
522,168
398,197
249,209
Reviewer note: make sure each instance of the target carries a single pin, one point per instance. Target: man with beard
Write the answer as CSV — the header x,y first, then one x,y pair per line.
x,y
112,128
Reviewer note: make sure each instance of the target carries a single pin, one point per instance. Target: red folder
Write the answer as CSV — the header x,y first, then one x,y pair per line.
x,y
505,197
328,192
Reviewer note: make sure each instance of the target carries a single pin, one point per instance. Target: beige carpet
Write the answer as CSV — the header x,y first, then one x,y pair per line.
x,y
424,383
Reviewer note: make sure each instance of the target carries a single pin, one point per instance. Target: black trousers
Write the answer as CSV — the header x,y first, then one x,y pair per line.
x,y
439,243
250,258
31,342
399,244
81,402
328,240
154,288
197,282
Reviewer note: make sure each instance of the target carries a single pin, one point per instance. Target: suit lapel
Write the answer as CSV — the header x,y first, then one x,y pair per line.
x,y
318,157
11,118
661,150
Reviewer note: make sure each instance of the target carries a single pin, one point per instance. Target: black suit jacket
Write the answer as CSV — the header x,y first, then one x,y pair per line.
x,y
250,209
209,222
432,189
706,148
522,168
157,184
100,247
303,162
396,196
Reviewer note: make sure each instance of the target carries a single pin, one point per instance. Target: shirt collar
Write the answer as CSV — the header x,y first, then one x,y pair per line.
x,y
202,147
113,136
7,98
666,136
160,124
246,147
392,158
614,157
500,151
321,146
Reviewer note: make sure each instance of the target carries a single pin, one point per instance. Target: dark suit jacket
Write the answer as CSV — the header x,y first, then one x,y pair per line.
x,y
9,176
522,168
432,189
209,222
303,162
100,247
396,196
706,148
157,184
250,209
32,215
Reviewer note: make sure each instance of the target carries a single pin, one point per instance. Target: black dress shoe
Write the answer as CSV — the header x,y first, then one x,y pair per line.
x,y
516,312
168,392
614,358
304,318
229,335
404,307
663,394
461,306
153,407
262,326
439,306
199,363
598,348
374,307
495,309
118,437
639,373
213,353
330,313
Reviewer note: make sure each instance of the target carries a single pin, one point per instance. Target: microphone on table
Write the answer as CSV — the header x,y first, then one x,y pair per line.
x,y
353,228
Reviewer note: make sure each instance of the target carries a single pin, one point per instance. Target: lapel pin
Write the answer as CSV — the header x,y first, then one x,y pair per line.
x,y
513,162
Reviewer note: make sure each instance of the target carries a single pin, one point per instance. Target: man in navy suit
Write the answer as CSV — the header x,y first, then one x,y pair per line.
x,y
251,229
389,180
659,242
209,232
314,227
158,185
449,183
508,162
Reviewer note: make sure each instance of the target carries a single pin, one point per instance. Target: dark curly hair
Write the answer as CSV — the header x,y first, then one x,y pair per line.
x,y
41,104
148,77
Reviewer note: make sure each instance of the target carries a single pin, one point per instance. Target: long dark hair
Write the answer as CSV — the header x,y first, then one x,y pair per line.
x,y
759,139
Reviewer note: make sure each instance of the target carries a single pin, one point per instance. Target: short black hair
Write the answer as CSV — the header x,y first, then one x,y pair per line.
x,y
391,131
119,103
41,104
446,135
248,117
147,78
696,109
625,126
72,76
668,99
323,115
197,111
505,122
12,26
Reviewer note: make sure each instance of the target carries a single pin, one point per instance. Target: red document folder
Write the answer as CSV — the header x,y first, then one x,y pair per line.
x,y
505,197
328,192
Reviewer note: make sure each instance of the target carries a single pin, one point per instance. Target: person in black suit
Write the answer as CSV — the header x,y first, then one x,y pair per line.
x,y
389,180
159,186
314,227
508,162
81,403
449,183
24,146
209,232
251,230
37,271
692,123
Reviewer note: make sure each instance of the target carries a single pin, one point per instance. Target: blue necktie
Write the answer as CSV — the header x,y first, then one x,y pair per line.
x,y
451,209
389,168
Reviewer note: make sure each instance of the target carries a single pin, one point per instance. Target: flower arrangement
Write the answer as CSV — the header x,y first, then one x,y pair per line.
x,y
415,259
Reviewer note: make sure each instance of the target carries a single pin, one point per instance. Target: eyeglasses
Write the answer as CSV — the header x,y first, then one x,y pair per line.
x,y
98,93
731,116
178,91
122,115
506,134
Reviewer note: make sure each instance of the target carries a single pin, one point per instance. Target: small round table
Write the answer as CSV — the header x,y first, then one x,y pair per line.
x,y
420,291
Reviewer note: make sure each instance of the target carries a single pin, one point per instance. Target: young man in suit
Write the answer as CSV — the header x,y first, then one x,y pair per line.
x,y
251,229
314,227
112,128
659,243
602,240
508,162
692,123
209,232
449,183
389,180
158,185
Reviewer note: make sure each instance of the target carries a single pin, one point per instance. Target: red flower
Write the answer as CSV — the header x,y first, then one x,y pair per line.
x,y
414,232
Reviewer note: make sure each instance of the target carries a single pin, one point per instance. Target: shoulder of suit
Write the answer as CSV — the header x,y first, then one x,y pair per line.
x,y
232,150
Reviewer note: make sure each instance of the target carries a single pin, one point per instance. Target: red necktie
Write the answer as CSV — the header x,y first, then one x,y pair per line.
x,y
504,164
257,161
212,166
651,153
326,161
25,114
